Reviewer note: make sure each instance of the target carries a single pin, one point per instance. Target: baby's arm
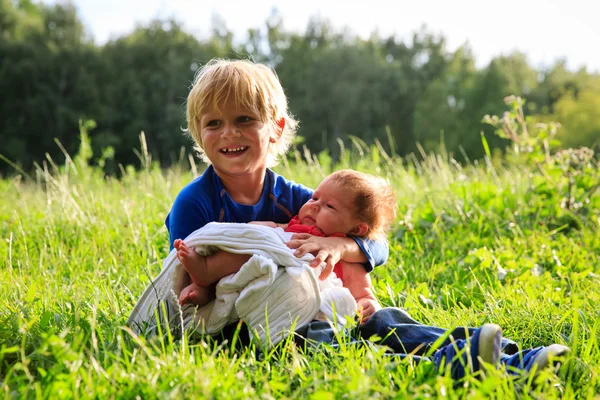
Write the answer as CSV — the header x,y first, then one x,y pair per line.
x,y
358,282
269,224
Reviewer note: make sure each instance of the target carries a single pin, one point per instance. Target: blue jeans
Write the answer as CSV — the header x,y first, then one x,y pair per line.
x,y
403,336
400,333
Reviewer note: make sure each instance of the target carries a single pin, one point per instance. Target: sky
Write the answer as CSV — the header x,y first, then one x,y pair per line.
x,y
545,30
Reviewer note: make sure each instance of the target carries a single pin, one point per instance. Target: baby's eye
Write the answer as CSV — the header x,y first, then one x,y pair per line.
x,y
314,198
213,122
330,206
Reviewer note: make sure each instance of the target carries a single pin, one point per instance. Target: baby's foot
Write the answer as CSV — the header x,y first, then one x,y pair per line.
x,y
193,263
195,294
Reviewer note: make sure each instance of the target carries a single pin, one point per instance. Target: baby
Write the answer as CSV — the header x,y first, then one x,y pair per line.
x,y
345,203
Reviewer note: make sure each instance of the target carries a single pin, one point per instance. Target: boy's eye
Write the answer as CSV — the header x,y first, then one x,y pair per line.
x,y
314,198
214,122
243,119
330,206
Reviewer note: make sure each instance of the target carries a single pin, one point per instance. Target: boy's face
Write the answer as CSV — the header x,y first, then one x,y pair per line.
x,y
235,140
330,209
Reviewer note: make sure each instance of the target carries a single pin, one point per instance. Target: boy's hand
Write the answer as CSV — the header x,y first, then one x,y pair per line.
x,y
365,308
326,250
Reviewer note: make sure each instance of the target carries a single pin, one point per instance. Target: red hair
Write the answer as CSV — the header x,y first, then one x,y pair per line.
x,y
374,200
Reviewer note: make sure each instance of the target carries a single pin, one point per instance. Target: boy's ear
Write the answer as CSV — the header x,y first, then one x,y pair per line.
x,y
279,131
360,230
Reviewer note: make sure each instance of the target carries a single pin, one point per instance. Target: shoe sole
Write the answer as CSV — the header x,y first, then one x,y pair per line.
x,y
490,340
546,357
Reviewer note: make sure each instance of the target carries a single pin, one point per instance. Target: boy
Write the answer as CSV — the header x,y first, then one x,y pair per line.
x,y
238,116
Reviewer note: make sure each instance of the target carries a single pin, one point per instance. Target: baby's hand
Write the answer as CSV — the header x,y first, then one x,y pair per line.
x,y
367,307
270,224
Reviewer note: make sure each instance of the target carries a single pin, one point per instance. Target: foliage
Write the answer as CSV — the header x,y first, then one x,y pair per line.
x,y
405,94
473,244
579,115
573,173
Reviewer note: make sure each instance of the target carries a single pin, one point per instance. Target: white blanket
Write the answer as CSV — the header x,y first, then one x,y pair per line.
x,y
273,292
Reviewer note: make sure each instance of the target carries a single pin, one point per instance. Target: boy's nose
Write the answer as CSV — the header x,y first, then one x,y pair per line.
x,y
230,130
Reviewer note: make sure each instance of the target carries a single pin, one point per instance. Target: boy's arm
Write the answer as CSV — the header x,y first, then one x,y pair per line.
x,y
330,250
185,217
375,252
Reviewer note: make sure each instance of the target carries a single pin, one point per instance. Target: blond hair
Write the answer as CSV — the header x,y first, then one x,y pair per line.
x,y
254,87
374,200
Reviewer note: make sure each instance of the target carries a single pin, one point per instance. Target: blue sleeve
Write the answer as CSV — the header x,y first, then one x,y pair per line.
x,y
376,252
185,217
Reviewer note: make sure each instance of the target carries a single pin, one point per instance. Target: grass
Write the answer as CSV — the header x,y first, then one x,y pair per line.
x,y
472,245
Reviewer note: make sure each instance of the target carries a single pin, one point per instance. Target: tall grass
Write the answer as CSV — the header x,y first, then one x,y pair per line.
x,y
473,244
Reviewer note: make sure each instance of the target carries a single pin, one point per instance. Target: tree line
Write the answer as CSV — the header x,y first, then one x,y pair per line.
x,y
400,92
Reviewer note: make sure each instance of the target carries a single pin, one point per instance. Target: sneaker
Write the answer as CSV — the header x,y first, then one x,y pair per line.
x,y
549,355
471,354
538,358
489,343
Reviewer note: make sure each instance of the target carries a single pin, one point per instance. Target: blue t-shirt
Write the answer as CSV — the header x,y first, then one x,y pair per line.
x,y
205,200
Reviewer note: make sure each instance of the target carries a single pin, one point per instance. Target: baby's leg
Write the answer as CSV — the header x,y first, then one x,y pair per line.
x,y
193,263
357,280
196,294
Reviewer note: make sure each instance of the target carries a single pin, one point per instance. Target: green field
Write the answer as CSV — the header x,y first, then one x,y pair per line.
x,y
492,241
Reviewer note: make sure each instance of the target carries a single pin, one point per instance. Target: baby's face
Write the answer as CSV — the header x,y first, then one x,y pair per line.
x,y
330,209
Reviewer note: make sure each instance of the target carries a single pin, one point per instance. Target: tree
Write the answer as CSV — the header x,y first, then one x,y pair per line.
x,y
19,19
442,108
579,116
52,75
148,75
504,76
413,68
46,81
341,85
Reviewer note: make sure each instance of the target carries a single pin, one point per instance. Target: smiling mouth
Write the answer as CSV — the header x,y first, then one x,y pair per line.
x,y
234,150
